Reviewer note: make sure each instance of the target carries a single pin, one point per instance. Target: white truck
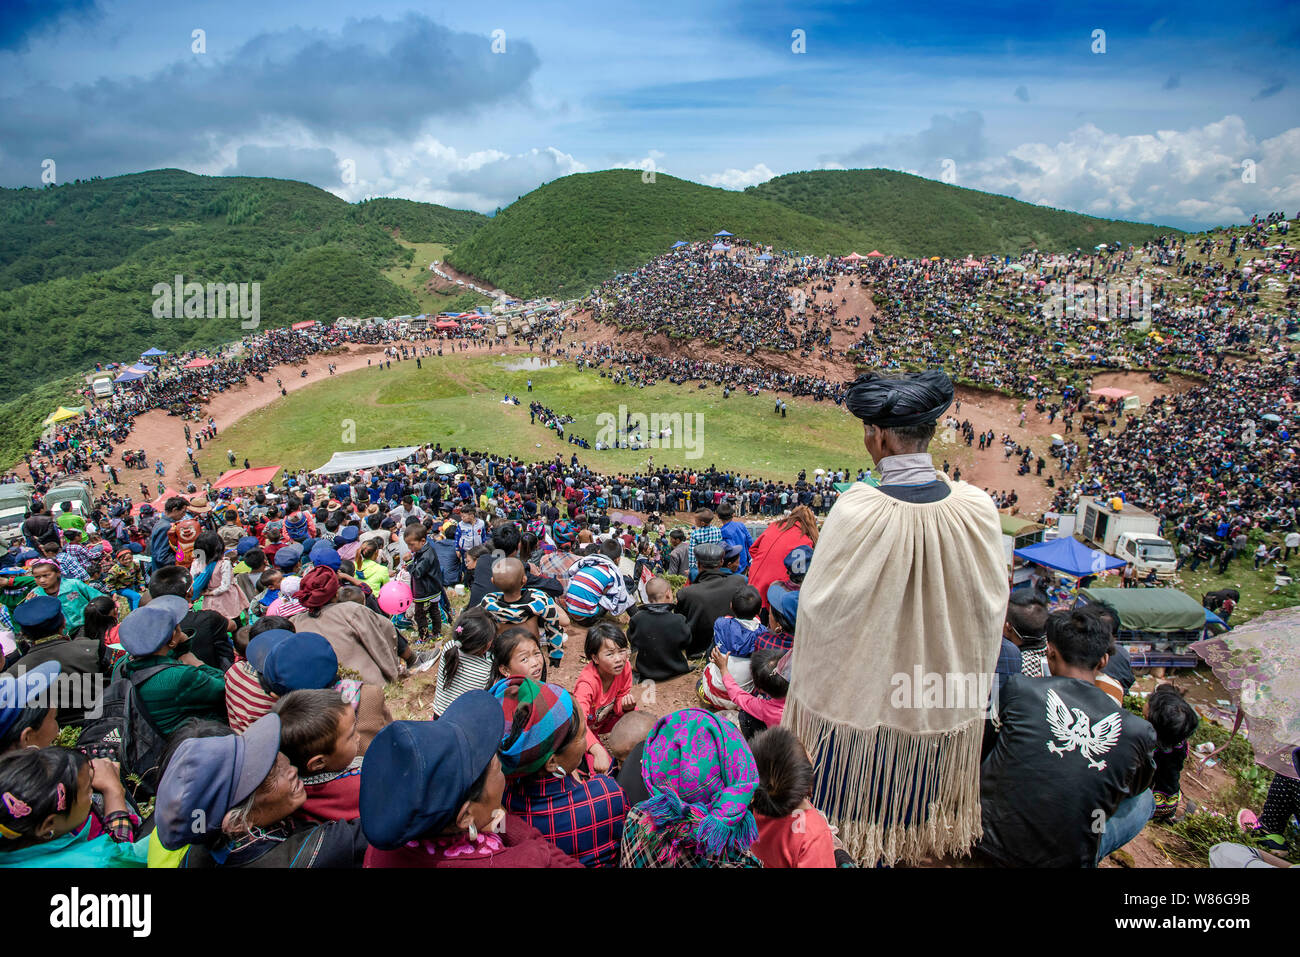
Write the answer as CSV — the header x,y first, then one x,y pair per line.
x,y
102,385
1126,532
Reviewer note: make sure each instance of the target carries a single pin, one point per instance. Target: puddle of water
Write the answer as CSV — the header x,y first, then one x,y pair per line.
x,y
529,364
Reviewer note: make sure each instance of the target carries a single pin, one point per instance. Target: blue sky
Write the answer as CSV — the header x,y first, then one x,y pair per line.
x,y
399,100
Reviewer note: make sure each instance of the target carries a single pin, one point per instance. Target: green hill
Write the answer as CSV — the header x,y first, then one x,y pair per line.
x,y
565,237
907,215
420,222
78,262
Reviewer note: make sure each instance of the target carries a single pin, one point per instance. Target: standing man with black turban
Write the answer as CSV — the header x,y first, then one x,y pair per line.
x,y
900,624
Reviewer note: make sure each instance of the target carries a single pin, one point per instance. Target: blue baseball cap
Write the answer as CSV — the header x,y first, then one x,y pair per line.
x,y
245,544
417,773
324,554
347,535
783,601
24,688
38,617
799,561
208,776
288,556
302,661
147,629
261,646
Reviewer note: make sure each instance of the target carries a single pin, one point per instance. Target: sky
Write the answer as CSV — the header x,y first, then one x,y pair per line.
x,y
1178,114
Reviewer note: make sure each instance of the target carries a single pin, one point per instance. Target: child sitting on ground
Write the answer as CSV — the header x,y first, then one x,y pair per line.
x,y
659,635
270,583
516,605
791,832
765,708
352,593
466,663
1175,720
734,636
604,688
517,651
318,734
246,698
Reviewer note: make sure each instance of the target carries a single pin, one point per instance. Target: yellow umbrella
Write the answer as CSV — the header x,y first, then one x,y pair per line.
x,y
61,413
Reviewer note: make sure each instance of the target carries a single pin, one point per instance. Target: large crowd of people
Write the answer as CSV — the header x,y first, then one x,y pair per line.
x,y
255,631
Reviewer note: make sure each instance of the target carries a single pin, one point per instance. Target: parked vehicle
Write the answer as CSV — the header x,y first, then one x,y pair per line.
x,y
1156,624
78,493
1126,532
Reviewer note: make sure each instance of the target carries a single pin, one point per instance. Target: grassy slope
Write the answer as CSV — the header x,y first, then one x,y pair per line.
x,y
78,262
413,277
568,235
457,401
907,215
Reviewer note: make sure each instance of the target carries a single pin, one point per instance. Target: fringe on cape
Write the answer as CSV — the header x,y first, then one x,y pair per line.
x,y
895,796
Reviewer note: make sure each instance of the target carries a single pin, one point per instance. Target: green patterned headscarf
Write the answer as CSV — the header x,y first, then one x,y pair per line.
x,y
700,772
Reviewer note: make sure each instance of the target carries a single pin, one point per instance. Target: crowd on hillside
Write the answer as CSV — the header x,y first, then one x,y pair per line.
x,y
257,629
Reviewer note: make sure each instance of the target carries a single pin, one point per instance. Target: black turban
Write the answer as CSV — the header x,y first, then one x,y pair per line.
x,y
915,399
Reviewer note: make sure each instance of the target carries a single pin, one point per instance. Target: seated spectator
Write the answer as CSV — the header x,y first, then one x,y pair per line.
x,y
49,816
171,684
1175,721
431,794
545,741
603,690
791,832
1043,806
231,802
658,635
709,598
318,732
702,780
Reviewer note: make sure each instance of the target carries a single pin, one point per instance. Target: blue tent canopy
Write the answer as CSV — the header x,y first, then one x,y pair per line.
x,y
142,367
722,232
129,377
679,244
1069,555
153,352
765,258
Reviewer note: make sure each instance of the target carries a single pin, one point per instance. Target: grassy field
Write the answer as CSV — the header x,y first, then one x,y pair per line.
x,y
456,400
414,277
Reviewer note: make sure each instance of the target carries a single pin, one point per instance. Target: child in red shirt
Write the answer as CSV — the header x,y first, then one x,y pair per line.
x,y
791,832
318,734
604,688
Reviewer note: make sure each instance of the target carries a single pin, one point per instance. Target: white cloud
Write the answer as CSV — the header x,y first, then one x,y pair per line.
x,y
740,178
1187,177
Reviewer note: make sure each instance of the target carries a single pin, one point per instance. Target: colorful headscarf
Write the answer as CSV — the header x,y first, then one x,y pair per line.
x,y
318,587
564,534
537,720
700,773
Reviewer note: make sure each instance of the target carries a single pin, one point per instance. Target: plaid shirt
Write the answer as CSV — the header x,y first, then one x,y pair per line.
x,y
557,565
583,819
701,536
74,562
646,846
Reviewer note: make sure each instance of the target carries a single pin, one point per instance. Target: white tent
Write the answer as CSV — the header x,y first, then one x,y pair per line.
x,y
341,462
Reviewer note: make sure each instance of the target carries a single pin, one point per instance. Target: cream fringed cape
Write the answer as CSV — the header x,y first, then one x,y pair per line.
x,y
899,592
